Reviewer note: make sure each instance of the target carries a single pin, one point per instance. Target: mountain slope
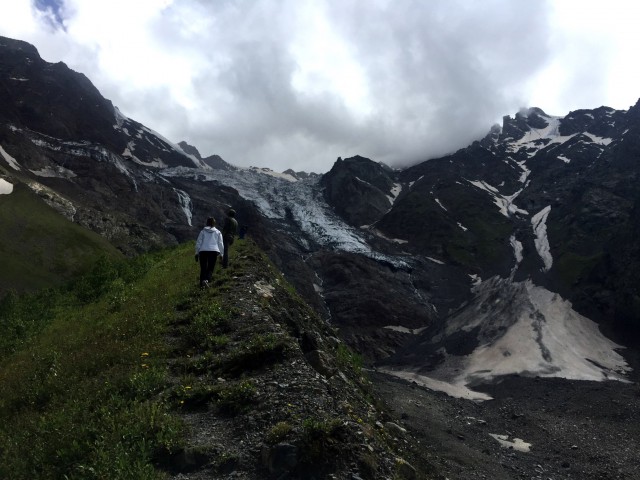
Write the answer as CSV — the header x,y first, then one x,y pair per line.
x,y
57,132
40,247
119,381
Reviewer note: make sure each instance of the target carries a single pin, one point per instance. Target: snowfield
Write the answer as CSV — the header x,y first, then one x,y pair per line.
x,y
5,187
523,329
9,159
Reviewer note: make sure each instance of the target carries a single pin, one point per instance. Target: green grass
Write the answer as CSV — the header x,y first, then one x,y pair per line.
x,y
39,247
81,368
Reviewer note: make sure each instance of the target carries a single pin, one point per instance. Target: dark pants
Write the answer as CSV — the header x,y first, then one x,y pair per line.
x,y
228,241
207,264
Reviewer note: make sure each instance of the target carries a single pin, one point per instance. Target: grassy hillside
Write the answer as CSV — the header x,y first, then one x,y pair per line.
x,y
80,367
39,247
134,372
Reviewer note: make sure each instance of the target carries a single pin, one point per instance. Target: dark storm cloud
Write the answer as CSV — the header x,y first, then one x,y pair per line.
x,y
438,75
402,81
443,74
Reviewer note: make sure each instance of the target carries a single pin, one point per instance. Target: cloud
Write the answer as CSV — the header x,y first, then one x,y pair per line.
x,y
295,84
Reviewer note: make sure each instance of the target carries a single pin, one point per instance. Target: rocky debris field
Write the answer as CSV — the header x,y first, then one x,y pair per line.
x,y
267,391
566,429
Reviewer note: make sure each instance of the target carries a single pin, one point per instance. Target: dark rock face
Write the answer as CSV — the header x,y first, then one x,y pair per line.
x,y
214,161
189,149
51,98
75,148
358,189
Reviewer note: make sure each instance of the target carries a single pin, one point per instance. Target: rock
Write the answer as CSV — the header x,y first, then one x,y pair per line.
x,y
321,362
395,429
310,340
186,460
358,189
404,470
280,458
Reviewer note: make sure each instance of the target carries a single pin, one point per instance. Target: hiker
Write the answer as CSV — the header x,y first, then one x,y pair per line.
x,y
208,246
228,233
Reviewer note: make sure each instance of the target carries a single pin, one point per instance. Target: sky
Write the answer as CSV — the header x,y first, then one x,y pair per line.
x,y
297,83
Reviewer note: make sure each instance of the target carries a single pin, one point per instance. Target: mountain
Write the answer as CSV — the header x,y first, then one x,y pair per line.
x,y
391,257
507,264
84,158
40,247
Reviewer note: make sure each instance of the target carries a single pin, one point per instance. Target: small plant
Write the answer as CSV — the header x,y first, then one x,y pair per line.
x,y
209,322
147,382
118,294
318,437
278,433
347,359
236,398
256,352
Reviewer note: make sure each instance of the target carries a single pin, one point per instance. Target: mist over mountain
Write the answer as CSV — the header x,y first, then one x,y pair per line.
x,y
515,256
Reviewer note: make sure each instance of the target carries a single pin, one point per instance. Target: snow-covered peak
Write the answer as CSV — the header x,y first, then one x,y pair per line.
x,y
550,132
272,173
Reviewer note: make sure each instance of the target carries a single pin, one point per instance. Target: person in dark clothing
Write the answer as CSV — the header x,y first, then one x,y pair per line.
x,y
208,246
229,231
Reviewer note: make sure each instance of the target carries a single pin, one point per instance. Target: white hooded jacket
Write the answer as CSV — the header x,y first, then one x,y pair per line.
x,y
209,240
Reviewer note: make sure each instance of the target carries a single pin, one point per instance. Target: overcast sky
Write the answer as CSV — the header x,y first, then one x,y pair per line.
x,y
297,83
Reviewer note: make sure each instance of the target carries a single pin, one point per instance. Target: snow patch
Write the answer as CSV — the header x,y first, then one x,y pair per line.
x,y
401,329
441,206
395,191
464,229
120,118
271,173
9,159
525,330
378,233
538,221
419,178
5,187
54,200
19,79
516,444
54,172
564,159
475,279
504,203
457,390
517,248
435,260
598,140
525,171
530,142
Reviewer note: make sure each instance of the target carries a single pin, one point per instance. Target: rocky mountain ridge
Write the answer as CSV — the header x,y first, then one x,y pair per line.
x,y
383,254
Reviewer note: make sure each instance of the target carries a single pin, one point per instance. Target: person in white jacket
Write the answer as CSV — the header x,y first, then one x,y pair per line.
x,y
208,246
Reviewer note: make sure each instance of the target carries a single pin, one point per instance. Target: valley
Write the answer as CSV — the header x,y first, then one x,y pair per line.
x,y
491,293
